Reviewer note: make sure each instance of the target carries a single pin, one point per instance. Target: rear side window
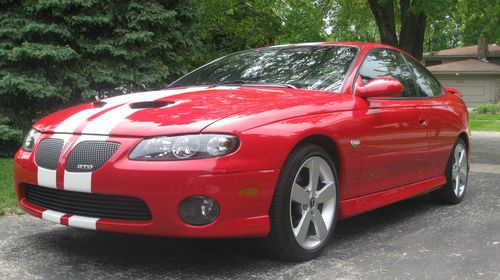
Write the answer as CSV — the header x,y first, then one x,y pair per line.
x,y
426,83
388,63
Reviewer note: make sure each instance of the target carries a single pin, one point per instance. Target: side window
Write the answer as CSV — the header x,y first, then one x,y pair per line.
x,y
426,83
388,63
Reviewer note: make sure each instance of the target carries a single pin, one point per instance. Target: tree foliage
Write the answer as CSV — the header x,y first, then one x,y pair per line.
x,y
351,20
479,17
302,20
58,52
233,25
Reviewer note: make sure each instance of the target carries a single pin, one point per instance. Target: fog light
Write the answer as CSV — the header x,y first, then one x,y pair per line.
x,y
199,210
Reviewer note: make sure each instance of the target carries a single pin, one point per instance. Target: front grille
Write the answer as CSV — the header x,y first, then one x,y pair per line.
x,y
88,204
48,152
88,156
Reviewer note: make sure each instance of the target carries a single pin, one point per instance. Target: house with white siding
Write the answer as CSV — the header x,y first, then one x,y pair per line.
x,y
473,70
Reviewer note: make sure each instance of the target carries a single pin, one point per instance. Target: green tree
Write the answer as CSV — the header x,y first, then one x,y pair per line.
x,y
443,32
403,23
226,26
303,20
480,17
56,53
351,20
232,25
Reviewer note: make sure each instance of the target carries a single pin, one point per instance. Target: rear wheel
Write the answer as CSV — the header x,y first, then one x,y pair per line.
x,y
457,173
304,209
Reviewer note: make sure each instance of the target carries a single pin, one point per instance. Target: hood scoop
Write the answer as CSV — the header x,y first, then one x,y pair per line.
x,y
99,104
149,104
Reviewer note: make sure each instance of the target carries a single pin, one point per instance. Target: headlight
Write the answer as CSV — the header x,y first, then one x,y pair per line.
x,y
30,140
185,147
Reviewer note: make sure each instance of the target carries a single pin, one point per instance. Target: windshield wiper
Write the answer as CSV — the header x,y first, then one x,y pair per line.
x,y
255,84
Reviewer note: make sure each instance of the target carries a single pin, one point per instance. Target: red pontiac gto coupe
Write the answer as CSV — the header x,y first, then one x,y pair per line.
x,y
276,142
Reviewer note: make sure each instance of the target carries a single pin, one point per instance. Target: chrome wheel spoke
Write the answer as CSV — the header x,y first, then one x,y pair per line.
x,y
457,185
456,155
299,194
314,173
326,193
461,158
303,227
462,189
319,225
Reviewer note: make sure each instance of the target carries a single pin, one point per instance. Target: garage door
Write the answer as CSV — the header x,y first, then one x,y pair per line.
x,y
476,90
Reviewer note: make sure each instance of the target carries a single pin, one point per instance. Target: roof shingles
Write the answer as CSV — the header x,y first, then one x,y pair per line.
x,y
470,51
466,66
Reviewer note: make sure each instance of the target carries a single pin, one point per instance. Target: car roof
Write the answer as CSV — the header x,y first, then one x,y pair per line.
x,y
361,45
356,44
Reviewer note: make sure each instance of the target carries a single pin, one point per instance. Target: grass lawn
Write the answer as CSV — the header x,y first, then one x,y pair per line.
x,y
7,194
486,122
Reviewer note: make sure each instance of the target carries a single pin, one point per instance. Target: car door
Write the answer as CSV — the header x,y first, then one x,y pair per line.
x,y
395,136
442,132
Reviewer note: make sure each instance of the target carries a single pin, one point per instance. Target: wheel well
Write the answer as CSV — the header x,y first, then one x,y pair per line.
x,y
464,137
326,143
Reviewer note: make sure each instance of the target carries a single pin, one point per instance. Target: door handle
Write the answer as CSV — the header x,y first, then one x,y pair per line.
x,y
423,122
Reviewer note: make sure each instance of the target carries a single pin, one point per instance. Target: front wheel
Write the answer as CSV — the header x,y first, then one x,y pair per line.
x,y
304,209
457,173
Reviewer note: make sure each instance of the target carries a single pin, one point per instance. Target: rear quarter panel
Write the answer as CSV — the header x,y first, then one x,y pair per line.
x,y
448,119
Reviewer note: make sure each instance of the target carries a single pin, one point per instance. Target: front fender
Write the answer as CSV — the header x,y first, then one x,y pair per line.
x,y
268,146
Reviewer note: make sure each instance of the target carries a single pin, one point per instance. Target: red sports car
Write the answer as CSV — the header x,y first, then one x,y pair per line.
x,y
276,142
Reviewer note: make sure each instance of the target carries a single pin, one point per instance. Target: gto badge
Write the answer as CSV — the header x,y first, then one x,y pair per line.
x,y
85,166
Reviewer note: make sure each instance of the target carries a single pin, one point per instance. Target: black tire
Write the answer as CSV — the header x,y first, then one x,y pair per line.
x,y
447,194
281,242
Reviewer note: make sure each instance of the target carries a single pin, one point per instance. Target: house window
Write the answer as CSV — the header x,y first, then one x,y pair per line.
x,y
433,62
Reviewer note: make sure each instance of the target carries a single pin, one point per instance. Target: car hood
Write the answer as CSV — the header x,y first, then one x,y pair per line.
x,y
180,110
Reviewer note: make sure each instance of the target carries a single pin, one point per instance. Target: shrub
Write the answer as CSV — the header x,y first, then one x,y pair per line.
x,y
488,108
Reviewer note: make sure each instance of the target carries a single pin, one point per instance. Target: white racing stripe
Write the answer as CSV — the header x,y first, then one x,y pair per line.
x,y
106,122
52,216
73,221
82,222
46,177
81,181
78,182
71,123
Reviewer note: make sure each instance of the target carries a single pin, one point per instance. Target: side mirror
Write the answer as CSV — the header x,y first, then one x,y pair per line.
x,y
380,87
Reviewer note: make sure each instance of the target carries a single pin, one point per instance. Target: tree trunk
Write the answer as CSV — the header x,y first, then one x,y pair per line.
x,y
384,17
411,35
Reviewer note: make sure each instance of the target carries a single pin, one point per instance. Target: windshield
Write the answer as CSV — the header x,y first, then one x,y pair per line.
x,y
306,67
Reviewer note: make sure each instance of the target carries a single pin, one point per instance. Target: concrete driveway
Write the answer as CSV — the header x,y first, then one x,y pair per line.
x,y
413,239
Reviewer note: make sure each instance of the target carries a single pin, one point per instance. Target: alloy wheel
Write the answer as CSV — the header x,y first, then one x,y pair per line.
x,y
313,203
459,170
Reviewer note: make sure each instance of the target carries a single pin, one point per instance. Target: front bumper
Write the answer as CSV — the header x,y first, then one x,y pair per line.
x,y
162,186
